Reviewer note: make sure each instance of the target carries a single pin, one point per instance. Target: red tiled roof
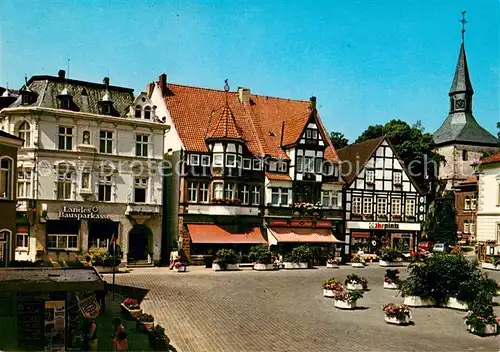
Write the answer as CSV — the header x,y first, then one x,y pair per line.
x,y
469,180
210,233
226,126
495,158
303,235
259,121
278,177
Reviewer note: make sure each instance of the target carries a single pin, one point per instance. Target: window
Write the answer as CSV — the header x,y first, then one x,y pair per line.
x,y
465,155
104,192
65,138
230,191
247,164
218,190
231,160
25,133
245,194
86,137
106,109
325,199
309,165
367,206
62,241
466,226
106,142
24,184
275,195
356,205
218,159
273,165
300,163
330,199
370,176
255,195
5,177
205,160
396,207
319,165
65,103
86,180
140,187
397,177
467,203
22,241
472,227
314,134
147,112
192,192
138,112
308,134
284,196
381,206
141,145
473,202
498,233
64,185
194,159
410,207
327,168
257,164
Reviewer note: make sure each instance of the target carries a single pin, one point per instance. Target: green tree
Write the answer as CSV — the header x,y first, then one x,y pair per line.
x,y
414,146
338,140
441,221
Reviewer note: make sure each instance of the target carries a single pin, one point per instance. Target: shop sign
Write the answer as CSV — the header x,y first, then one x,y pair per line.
x,y
81,213
89,306
382,226
55,325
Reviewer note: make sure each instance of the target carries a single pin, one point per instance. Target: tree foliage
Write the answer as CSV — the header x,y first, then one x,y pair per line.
x,y
338,140
441,220
413,145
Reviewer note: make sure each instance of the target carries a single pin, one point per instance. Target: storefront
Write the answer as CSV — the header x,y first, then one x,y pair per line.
x,y
372,237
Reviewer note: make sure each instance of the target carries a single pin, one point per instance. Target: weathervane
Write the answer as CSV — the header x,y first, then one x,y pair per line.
x,y
463,21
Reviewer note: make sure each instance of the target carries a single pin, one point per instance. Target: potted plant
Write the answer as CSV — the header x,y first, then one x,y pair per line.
x,y
391,279
158,339
347,299
395,314
331,285
356,282
262,258
131,308
357,261
180,267
299,258
226,259
391,257
332,263
145,322
481,319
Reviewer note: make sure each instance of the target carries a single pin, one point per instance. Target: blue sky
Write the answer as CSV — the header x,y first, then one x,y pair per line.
x,y
366,61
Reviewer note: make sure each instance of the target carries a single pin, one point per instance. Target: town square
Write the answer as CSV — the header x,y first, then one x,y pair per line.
x,y
250,176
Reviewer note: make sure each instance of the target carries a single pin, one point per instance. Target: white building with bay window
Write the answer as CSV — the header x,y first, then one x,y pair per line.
x,y
89,169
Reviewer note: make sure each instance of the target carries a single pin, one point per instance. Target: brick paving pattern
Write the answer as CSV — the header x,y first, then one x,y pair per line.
x,y
285,311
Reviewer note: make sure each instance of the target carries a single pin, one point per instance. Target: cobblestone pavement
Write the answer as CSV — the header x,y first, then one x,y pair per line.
x,y
285,311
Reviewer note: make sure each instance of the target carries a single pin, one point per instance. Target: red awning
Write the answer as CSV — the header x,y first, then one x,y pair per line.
x,y
360,234
304,235
209,233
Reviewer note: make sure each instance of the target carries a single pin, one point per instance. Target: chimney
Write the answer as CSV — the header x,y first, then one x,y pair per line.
x,y
106,81
313,102
244,94
149,89
163,83
61,74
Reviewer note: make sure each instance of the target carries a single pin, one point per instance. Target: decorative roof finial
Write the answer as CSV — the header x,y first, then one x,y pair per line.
x,y
226,89
463,21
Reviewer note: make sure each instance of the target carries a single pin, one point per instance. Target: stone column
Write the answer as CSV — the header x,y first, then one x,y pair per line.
x,y
84,235
154,224
124,230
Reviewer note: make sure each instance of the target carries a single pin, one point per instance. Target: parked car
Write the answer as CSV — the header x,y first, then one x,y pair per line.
x,y
441,248
425,246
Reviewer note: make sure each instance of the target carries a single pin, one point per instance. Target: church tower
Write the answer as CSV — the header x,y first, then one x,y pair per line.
x,y
460,139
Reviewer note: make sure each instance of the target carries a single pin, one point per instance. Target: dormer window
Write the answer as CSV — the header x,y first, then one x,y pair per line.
x,y
106,109
65,104
138,112
25,99
282,166
194,160
273,165
147,112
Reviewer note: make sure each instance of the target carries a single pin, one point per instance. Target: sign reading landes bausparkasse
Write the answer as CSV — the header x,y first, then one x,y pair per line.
x,y
81,213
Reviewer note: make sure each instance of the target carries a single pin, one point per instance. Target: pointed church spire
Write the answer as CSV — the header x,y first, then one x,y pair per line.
x,y
461,81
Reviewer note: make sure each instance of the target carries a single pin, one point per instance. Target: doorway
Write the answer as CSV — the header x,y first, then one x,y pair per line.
x,y
138,243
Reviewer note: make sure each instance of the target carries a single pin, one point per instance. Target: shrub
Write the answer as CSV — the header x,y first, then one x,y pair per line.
x,y
260,254
158,339
356,279
109,262
391,254
399,312
98,255
225,257
302,254
481,313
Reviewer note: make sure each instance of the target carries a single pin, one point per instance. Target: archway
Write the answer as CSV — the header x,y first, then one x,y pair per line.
x,y
139,243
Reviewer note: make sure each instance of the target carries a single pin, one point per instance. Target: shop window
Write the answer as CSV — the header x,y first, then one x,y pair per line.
x,y
147,113
64,185
255,195
367,206
218,190
140,187
141,145
106,142
24,133
245,194
62,234
104,192
24,184
356,205
205,160
467,203
204,192
101,232
192,192
65,138
62,241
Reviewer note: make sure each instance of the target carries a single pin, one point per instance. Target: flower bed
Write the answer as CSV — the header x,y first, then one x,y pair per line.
x,y
332,263
130,307
356,282
262,257
331,285
391,279
391,257
347,299
394,314
145,322
226,259
158,339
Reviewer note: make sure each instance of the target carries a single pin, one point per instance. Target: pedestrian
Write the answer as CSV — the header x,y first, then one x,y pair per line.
x,y
118,326
120,342
88,261
90,334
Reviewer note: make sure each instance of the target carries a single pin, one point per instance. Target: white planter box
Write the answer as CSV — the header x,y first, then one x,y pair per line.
x,y
489,329
181,269
394,320
358,265
353,287
345,304
263,267
390,264
416,301
390,286
456,304
332,266
217,267
290,265
490,266
327,293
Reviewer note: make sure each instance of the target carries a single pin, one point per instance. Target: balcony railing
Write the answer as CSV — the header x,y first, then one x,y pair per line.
x,y
138,208
222,209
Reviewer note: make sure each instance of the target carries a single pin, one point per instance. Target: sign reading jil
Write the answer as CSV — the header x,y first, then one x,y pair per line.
x,y
384,226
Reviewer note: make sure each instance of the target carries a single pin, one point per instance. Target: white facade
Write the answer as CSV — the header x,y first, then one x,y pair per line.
x,y
488,214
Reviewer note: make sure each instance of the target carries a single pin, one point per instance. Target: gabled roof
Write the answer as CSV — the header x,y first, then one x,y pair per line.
x,y
492,159
225,126
259,121
355,156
